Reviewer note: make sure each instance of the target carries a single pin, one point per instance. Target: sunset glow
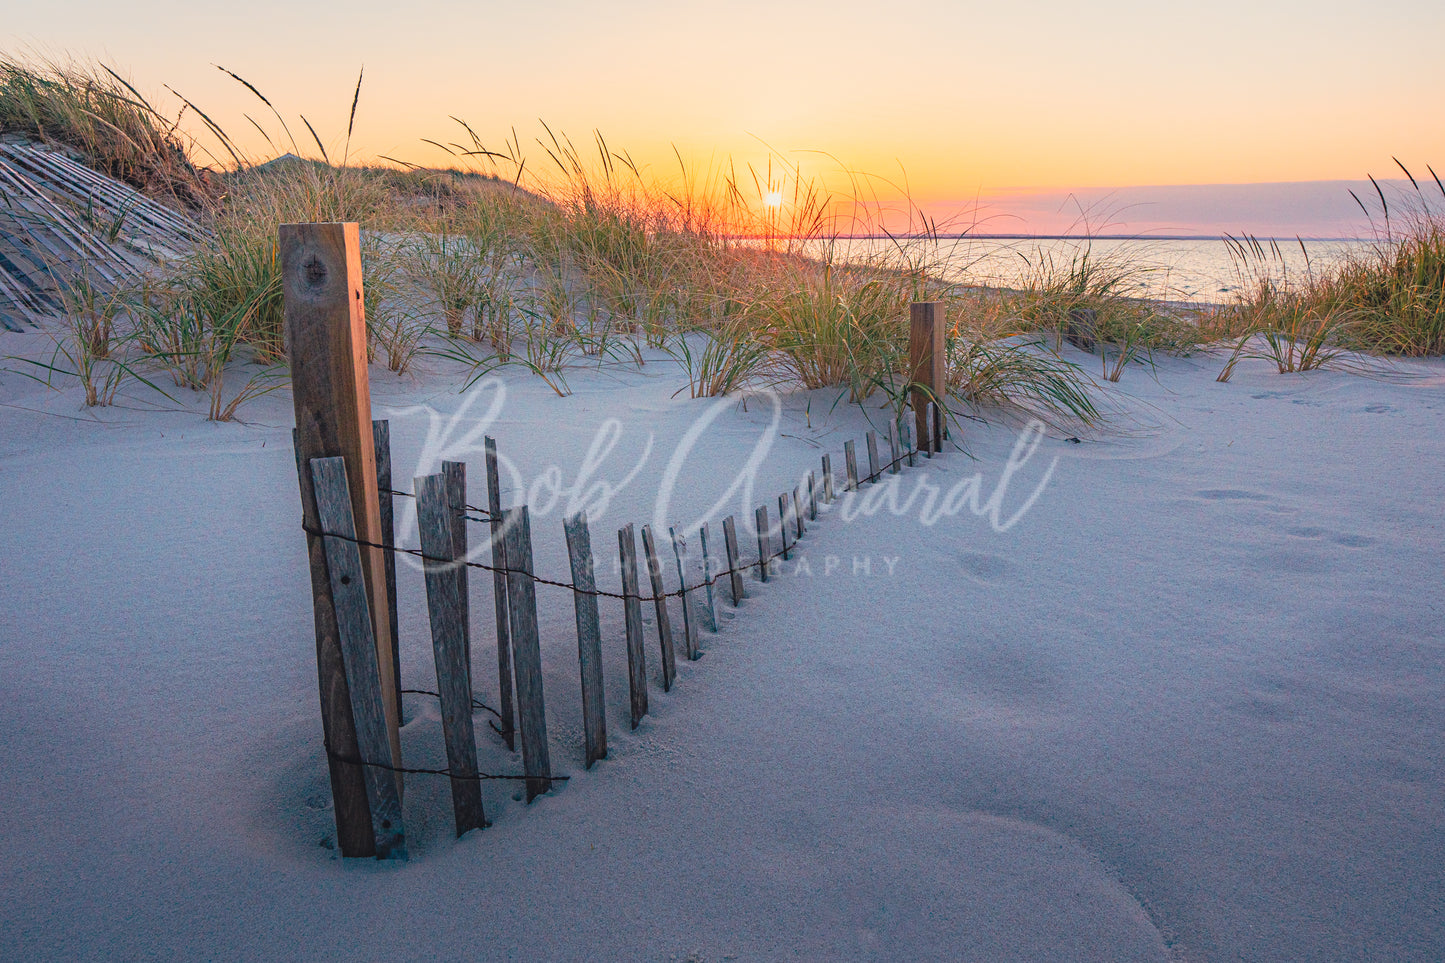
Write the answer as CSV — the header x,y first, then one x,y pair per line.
x,y
937,102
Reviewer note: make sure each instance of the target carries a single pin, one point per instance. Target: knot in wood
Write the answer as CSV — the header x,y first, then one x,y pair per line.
x,y
315,270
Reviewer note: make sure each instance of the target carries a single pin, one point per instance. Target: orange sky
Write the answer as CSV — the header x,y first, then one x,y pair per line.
x,y
968,99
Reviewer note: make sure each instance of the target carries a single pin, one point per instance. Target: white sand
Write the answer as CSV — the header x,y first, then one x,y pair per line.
x,y
1188,705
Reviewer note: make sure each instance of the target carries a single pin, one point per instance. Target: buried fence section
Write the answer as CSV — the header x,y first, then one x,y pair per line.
x,y
632,609
526,650
446,580
499,593
659,596
589,636
735,572
355,632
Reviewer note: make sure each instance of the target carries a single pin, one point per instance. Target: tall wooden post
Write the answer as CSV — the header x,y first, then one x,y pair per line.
x,y
326,344
926,356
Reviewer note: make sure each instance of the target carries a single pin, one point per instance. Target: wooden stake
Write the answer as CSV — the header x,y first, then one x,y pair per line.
x,y
632,607
446,610
735,575
893,465
526,651
499,595
828,494
812,495
707,579
907,434
850,458
381,441
659,596
455,475
589,636
369,703
927,357
873,468
325,334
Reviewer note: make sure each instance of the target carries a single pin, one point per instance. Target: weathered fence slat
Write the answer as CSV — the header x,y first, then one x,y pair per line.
x,y
907,433
707,579
894,456
446,610
850,459
499,594
812,495
873,468
455,474
689,619
730,545
381,440
526,651
784,525
828,494
798,511
358,655
765,547
632,607
589,636
659,595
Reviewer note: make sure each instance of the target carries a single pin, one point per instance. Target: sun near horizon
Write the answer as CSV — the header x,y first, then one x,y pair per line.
x,y
1029,115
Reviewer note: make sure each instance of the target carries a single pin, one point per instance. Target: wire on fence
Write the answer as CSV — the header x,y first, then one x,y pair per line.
x,y
600,593
412,770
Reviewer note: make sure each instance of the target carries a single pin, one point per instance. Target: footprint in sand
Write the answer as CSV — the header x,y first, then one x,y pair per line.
x,y
1230,494
984,568
1379,409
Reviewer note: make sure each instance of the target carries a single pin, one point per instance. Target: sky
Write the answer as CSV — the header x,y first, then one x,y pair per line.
x,y
1020,114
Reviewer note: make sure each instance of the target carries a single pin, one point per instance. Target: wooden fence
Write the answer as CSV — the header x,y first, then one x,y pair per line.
x,y
347,494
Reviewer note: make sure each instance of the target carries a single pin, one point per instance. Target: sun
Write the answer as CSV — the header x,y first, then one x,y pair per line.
x,y
773,199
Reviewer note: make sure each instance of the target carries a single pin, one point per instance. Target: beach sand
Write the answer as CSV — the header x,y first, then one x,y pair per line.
x,y
1178,698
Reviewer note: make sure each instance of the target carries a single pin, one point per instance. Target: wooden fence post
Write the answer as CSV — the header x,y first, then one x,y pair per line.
x,y
446,611
325,335
589,636
735,575
659,597
455,475
896,458
798,511
381,440
707,578
812,495
499,594
926,356
370,704
907,435
828,494
874,469
632,607
850,458
527,652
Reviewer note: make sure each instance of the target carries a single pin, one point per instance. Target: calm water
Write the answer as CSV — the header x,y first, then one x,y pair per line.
x,y
1194,270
